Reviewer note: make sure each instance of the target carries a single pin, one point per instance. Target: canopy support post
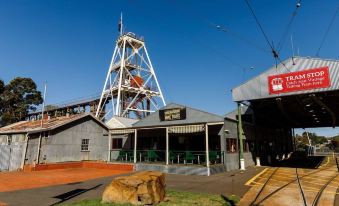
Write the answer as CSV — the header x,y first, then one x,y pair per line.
x,y
135,146
167,146
240,133
207,150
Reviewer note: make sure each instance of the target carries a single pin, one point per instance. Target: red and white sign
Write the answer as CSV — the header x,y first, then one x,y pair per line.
x,y
301,80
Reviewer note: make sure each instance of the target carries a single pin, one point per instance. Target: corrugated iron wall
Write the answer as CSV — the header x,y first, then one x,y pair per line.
x,y
11,155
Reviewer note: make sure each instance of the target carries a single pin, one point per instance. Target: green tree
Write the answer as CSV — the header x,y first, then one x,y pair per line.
x,y
315,139
2,87
50,107
18,98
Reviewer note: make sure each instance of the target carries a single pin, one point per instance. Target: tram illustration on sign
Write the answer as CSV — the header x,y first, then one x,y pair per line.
x,y
277,84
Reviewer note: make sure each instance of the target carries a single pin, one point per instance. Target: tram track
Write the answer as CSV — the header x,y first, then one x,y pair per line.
x,y
298,180
300,187
317,197
263,187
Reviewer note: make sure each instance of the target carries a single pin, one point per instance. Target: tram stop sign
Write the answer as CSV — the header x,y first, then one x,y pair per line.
x,y
301,80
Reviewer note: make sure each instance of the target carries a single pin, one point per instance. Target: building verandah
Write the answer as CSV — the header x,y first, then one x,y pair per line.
x,y
184,145
193,142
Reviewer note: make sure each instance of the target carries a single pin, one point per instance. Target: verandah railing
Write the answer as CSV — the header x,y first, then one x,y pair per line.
x,y
174,156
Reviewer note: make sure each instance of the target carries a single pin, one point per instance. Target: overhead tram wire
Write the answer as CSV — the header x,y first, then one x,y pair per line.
x,y
327,31
261,28
225,30
288,27
273,50
189,37
281,62
220,27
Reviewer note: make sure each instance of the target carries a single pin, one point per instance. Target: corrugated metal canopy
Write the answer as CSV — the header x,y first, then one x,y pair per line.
x,y
281,97
187,129
258,87
122,131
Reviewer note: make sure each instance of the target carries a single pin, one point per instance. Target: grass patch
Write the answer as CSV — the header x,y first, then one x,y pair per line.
x,y
175,198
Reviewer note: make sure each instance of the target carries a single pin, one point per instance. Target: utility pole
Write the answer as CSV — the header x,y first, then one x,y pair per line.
x,y
41,124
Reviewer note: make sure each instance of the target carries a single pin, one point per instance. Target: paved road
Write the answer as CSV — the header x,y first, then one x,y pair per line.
x,y
92,189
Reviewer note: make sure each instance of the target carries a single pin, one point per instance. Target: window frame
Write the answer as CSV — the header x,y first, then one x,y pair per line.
x,y
233,140
85,145
9,139
117,139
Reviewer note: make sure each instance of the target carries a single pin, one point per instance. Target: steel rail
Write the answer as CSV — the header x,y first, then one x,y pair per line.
x,y
262,188
300,187
288,183
317,197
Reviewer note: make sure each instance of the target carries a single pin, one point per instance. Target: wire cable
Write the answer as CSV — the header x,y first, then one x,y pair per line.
x,y
288,27
218,27
327,31
188,36
259,25
271,45
225,30
281,62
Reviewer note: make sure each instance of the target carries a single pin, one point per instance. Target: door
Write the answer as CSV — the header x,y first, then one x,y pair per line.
x,y
15,157
4,157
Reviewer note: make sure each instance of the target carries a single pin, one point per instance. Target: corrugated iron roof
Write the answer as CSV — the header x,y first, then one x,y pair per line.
x,y
47,124
257,87
234,113
193,116
120,122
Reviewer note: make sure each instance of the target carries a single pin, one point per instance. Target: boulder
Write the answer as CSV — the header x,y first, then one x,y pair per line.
x,y
143,188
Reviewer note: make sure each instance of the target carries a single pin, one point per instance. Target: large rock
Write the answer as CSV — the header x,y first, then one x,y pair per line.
x,y
143,188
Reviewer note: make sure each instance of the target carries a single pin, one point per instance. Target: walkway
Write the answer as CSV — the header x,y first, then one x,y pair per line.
x,y
11,181
224,183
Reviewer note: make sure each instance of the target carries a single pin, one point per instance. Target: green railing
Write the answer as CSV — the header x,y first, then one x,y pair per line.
x,y
174,156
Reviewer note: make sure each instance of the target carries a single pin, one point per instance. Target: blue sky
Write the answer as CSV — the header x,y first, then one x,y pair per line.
x,y
69,43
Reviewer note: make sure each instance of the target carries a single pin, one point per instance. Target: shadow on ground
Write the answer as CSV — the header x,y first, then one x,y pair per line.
x,y
73,193
311,162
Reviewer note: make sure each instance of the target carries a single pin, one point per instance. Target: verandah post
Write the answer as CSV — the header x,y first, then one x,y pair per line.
x,y
135,146
240,134
207,150
167,146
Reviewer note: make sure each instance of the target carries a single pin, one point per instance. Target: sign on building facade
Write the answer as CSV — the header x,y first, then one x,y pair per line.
x,y
172,114
301,80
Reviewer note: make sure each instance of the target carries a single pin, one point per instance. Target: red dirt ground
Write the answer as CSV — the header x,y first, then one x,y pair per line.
x,y
11,181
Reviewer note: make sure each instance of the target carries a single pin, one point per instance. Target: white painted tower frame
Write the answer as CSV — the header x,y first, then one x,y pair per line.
x,y
131,83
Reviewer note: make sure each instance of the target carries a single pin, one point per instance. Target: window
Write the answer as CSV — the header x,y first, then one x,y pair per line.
x,y
116,143
232,145
84,145
9,139
45,135
248,145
